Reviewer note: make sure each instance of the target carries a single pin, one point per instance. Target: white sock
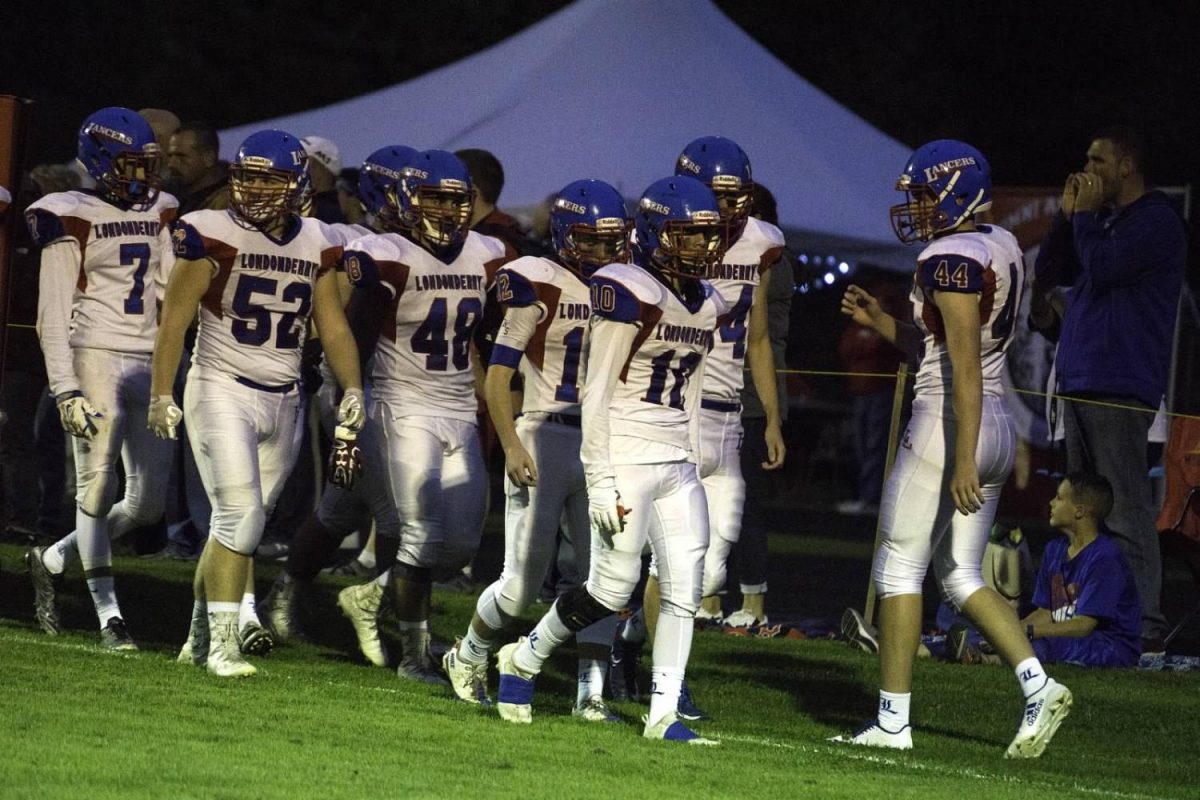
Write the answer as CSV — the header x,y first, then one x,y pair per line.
x,y
1032,676
104,597
219,612
385,579
634,629
550,632
591,674
60,555
366,558
474,648
247,611
665,683
893,710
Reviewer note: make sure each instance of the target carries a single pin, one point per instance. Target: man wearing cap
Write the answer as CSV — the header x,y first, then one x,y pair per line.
x,y
324,164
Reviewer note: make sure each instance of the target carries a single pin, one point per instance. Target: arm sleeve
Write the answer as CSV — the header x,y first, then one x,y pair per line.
x,y
56,295
1057,263
608,350
1130,252
516,330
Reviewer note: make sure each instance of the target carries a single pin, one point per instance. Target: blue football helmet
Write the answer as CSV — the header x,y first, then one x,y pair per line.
x,y
377,191
437,195
589,227
679,228
721,164
118,149
267,177
945,183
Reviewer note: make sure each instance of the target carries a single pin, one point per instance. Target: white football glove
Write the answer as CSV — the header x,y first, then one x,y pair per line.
x,y
78,415
605,510
164,416
351,412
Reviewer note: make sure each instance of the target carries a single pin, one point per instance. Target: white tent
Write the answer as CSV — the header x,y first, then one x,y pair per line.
x,y
613,89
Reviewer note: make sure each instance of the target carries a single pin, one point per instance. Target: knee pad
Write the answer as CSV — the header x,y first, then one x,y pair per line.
x,y
97,495
715,566
895,573
413,574
578,609
238,519
959,583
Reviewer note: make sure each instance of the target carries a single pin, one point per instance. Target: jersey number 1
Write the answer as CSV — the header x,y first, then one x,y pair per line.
x,y
662,365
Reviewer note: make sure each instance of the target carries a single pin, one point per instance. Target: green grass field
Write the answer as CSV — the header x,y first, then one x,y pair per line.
x,y
76,722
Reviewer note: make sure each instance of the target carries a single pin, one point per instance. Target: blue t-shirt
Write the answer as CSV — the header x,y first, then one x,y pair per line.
x,y
1095,583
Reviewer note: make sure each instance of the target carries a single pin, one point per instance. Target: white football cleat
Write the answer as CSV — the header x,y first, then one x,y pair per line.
x,y
670,729
515,696
710,618
195,649
469,681
872,735
595,710
225,655
744,619
360,605
1044,712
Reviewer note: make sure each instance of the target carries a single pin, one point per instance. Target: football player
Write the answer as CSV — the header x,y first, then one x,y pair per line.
x,y
343,510
105,258
256,272
652,324
545,335
941,496
420,302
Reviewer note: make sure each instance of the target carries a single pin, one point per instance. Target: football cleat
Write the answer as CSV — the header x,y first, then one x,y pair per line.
x,y
469,681
354,569
416,663
744,619
858,632
670,729
708,619
280,611
594,710
115,636
872,735
515,696
360,604
686,708
1044,712
195,649
255,640
224,655
45,592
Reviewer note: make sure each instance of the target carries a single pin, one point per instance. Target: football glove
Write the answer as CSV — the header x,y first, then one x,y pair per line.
x,y
345,459
605,510
351,413
77,415
164,416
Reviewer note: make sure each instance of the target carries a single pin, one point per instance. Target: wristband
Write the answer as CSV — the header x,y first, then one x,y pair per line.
x,y
1029,631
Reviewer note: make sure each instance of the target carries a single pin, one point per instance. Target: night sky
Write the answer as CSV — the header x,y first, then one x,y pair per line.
x,y
1025,82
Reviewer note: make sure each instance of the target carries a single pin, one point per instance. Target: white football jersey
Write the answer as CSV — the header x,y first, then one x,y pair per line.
x,y
759,246
343,233
124,257
254,316
554,350
986,262
655,398
423,356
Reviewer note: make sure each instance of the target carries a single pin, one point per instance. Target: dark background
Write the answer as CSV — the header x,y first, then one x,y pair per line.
x,y
1025,82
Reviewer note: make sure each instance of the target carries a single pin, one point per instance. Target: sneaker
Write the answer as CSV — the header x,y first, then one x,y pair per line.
x,y
115,636
468,681
872,735
458,582
594,710
1154,647
224,655
623,671
354,569
255,640
686,708
745,619
708,619
280,611
45,591
959,648
670,729
273,551
1044,712
515,696
858,632
416,663
360,604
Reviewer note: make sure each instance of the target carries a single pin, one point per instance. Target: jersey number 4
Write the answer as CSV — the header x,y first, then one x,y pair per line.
x,y
430,338
734,330
665,365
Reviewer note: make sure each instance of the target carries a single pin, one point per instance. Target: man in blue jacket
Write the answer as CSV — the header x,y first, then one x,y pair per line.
x,y
1122,250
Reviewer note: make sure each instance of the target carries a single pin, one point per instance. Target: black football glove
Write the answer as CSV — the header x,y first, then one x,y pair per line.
x,y
345,459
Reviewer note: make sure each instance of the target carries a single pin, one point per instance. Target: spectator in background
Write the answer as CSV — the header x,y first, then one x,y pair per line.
x,y
324,166
862,350
750,551
1122,249
164,124
193,172
486,218
347,191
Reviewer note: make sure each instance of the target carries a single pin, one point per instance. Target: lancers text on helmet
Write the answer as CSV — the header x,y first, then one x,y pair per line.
x,y
946,167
